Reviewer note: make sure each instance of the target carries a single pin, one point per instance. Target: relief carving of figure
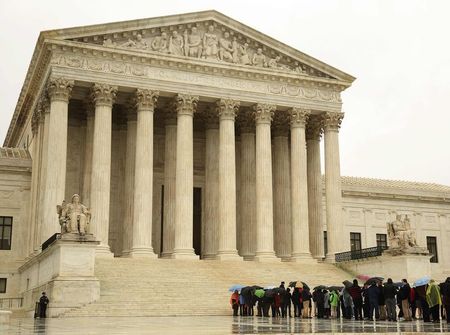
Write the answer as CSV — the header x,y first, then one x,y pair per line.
x,y
259,59
400,233
176,44
235,48
161,43
139,43
108,42
193,43
274,63
210,44
244,57
73,217
299,69
225,49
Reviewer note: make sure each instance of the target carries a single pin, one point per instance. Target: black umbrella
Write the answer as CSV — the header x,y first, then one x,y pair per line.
x,y
335,288
374,280
320,287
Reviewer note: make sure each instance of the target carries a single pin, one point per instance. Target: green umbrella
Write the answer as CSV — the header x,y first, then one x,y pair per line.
x,y
259,293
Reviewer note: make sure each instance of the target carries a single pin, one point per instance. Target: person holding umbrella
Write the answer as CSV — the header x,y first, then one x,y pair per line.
x,y
434,299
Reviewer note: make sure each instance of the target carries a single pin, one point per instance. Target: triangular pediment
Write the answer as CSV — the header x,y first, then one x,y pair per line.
x,y
209,36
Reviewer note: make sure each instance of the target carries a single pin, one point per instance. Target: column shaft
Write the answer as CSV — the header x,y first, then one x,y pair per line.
x,y
143,181
59,91
333,191
314,190
299,188
170,157
87,169
103,96
264,195
184,197
227,110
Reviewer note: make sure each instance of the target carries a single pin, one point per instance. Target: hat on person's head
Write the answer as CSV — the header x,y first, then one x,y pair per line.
x,y
43,293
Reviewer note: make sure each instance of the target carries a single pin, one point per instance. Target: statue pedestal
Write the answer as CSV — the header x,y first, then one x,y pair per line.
x,y
65,271
409,266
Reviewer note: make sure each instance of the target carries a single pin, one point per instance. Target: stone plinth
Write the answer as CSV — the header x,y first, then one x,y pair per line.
x,y
65,271
409,266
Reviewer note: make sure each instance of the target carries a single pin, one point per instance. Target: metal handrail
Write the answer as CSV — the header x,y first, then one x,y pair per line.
x,y
9,303
359,254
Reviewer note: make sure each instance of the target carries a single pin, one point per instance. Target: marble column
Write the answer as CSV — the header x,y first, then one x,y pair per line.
x,y
129,182
227,110
87,167
247,195
281,185
333,192
143,180
184,190
103,96
59,90
211,215
313,134
42,173
264,192
170,158
299,186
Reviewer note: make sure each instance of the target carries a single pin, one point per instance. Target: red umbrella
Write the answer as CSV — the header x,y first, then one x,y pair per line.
x,y
363,277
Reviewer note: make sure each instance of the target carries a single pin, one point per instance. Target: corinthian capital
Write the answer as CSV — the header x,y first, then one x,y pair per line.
x,y
185,104
314,128
103,94
146,99
59,89
332,120
299,116
263,113
227,109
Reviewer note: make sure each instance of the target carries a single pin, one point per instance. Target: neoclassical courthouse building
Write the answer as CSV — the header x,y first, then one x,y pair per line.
x,y
193,136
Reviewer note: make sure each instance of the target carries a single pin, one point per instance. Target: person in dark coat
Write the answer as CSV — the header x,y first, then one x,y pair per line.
x,y
43,303
366,308
373,293
445,291
356,293
286,303
421,295
381,301
320,301
403,295
390,291
296,302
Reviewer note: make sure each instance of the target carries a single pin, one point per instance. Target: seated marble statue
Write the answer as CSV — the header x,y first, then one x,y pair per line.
x,y
74,217
400,233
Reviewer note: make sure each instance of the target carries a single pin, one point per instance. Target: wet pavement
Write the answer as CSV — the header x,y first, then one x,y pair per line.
x,y
212,325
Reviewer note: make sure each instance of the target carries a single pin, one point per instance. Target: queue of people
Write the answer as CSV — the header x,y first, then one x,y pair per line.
x,y
374,300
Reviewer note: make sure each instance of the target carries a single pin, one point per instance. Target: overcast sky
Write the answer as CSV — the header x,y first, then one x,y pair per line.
x,y
397,112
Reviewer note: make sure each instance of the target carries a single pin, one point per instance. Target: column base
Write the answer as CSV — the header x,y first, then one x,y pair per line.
x,y
266,257
142,253
209,256
103,250
125,254
228,256
330,258
166,255
187,254
302,258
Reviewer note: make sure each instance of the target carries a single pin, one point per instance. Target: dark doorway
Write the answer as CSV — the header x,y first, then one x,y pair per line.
x,y
197,224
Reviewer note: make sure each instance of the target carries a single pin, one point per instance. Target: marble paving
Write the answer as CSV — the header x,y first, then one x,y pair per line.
x,y
213,325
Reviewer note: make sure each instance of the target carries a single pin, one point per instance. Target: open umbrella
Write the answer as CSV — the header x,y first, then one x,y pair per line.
x,y
270,287
259,293
236,287
320,287
335,288
299,284
363,277
374,280
347,283
422,281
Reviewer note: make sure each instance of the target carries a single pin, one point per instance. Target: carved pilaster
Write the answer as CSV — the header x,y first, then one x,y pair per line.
x,y
35,120
245,122
299,117
227,108
314,128
59,89
263,113
146,99
103,94
280,124
210,118
332,120
185,104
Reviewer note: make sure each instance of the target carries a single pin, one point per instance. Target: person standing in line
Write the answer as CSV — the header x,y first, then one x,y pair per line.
x,y
445,291
404,297
296,301
43,304
434,300
306,302
334,302
374,295
234,302
242,306
412,302
356,293
365,302
348,303
286,303
320,301
421,294
381,301
390,291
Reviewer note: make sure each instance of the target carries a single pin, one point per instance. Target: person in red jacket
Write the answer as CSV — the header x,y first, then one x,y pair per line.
x,y
234,302
356,294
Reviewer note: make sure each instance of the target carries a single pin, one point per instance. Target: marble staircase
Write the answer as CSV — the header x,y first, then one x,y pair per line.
x,y
161,287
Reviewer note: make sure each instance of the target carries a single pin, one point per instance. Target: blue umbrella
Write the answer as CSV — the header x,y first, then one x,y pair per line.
x,y
236,287
422,281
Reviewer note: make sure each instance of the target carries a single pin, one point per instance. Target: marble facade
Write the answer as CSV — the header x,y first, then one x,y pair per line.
x,y
138,116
